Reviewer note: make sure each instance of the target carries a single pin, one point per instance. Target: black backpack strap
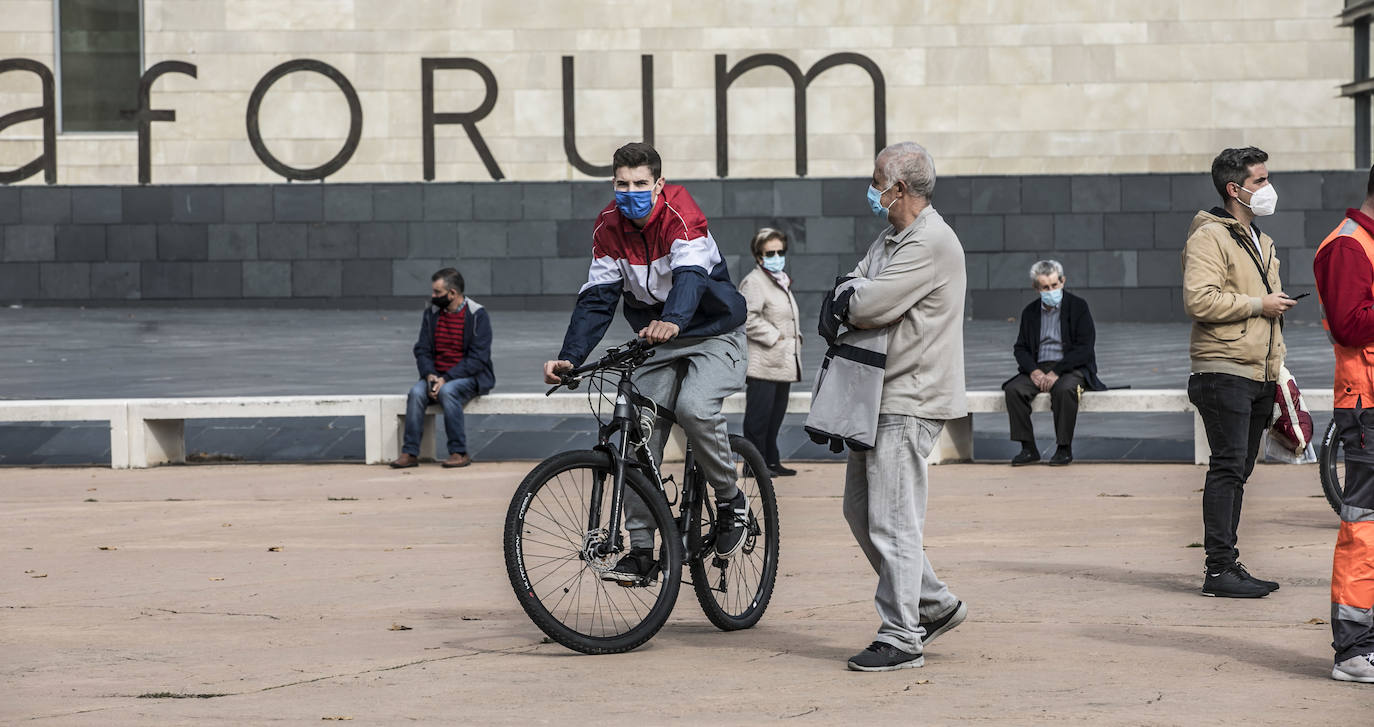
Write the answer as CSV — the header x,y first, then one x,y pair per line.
x,y
1249,247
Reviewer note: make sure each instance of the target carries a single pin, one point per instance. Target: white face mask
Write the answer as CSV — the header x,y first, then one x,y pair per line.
x,y
1263,201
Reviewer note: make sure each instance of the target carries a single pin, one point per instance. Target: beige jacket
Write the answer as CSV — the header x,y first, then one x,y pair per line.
x,y
919,293
1222,292
774,341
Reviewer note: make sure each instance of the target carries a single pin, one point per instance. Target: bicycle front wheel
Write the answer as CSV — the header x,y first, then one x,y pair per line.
x,y
555,568
734,592
1331,465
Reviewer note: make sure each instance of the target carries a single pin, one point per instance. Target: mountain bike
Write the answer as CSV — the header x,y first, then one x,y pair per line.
x,y
565,527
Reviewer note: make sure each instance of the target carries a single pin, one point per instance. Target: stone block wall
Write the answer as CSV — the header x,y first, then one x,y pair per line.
x,y
526,245
1011,87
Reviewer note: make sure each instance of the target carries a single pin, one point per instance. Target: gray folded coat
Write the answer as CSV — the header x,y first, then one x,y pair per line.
x,y
849,385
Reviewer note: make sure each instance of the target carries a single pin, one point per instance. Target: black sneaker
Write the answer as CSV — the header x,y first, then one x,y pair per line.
x,y
944,623
1231,582
1028,455
1271,585
778,470
635,568
732,524
1062,456
884,657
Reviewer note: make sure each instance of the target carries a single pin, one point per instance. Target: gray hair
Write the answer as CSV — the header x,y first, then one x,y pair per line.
x,y
1046,267
909,162
764,235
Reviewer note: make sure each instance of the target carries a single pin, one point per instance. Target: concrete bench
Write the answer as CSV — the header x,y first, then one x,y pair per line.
x,y
157,427
147,432
393,415
956,442
560,405
113,411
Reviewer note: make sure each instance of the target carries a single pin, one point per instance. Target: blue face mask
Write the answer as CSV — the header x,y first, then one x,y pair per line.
x,y
1052,298
774,264
875,201
635,205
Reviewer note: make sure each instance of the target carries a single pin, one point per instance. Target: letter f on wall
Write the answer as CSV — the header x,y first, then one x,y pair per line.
x,y
146,116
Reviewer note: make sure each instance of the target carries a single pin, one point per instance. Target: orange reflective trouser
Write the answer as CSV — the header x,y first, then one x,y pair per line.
x,y
1352,571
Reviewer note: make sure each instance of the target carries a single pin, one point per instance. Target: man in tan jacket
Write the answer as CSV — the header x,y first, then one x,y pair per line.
x,y
914,287
1231,290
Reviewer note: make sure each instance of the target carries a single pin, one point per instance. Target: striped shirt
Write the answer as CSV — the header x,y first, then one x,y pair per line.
x,y
1051,337
448,339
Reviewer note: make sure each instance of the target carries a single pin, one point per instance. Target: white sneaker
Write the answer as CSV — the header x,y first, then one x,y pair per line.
x,y
1355,669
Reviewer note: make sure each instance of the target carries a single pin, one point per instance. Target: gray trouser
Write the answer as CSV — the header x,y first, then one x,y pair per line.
x,y
692,378
885,505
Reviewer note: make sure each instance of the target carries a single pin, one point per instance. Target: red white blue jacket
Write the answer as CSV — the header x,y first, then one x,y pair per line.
x,y
671,271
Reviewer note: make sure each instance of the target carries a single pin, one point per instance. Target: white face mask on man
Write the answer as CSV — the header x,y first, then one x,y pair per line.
x,y
1263,201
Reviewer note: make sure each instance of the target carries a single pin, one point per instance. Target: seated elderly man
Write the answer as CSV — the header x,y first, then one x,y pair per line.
x,y
1054,354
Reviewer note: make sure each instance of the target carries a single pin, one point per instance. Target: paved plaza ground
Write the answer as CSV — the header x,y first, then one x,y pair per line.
x,y
276,594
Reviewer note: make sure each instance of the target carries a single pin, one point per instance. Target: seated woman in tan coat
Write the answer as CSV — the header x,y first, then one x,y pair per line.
x,y
774,346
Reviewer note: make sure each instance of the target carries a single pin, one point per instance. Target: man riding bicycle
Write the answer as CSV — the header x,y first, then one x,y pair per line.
x,y
652,247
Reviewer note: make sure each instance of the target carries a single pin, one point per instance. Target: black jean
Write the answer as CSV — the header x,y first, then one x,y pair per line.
x,y
765,404
1021,391
1235,411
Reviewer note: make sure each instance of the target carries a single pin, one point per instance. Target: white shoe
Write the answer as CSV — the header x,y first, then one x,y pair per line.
x,y
1355,669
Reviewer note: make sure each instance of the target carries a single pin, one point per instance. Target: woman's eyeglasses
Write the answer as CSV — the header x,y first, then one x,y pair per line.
x,y
775,253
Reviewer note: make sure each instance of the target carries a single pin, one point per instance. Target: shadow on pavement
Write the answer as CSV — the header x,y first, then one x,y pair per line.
x,y
762,637
1215,646
1167,582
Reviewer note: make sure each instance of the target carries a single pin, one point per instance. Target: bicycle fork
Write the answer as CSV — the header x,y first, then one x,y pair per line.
x,y
623,418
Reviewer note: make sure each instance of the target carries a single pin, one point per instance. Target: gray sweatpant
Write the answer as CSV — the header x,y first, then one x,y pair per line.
x,y
692,378
885,506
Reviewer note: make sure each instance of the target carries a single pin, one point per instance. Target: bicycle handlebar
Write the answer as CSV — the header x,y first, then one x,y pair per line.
x,y
615,356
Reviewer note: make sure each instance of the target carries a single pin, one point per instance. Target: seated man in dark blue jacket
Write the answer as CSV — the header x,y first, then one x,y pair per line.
x,y
1055,355
651,248
453,354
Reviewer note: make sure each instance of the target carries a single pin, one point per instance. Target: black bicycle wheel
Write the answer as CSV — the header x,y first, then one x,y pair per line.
x,y
1331,465
556,580
734,592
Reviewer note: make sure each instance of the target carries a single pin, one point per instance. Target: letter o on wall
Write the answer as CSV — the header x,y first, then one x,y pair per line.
x,y
355,119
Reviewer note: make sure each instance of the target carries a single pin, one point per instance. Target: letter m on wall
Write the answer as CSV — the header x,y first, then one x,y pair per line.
x,y
800,81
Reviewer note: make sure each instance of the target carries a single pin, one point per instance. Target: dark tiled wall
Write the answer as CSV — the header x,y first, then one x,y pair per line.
x,y
526,245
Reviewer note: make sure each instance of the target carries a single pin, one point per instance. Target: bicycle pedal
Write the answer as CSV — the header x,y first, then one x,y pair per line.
x,y
639,583
643,581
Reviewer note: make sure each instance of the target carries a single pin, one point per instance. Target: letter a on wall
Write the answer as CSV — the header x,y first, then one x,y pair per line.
x,y
47,161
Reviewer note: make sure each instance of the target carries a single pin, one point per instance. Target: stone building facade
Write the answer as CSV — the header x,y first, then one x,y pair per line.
x,y
1080,129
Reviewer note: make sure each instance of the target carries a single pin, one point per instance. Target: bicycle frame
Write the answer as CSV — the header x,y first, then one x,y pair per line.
x,y
614,438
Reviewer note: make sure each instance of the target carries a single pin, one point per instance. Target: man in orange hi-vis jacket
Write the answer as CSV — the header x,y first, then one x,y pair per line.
x,y
1344,267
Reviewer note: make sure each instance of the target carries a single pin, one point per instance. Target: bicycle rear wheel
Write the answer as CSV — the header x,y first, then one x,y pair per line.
x,y
555,571
734,592
1331,465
